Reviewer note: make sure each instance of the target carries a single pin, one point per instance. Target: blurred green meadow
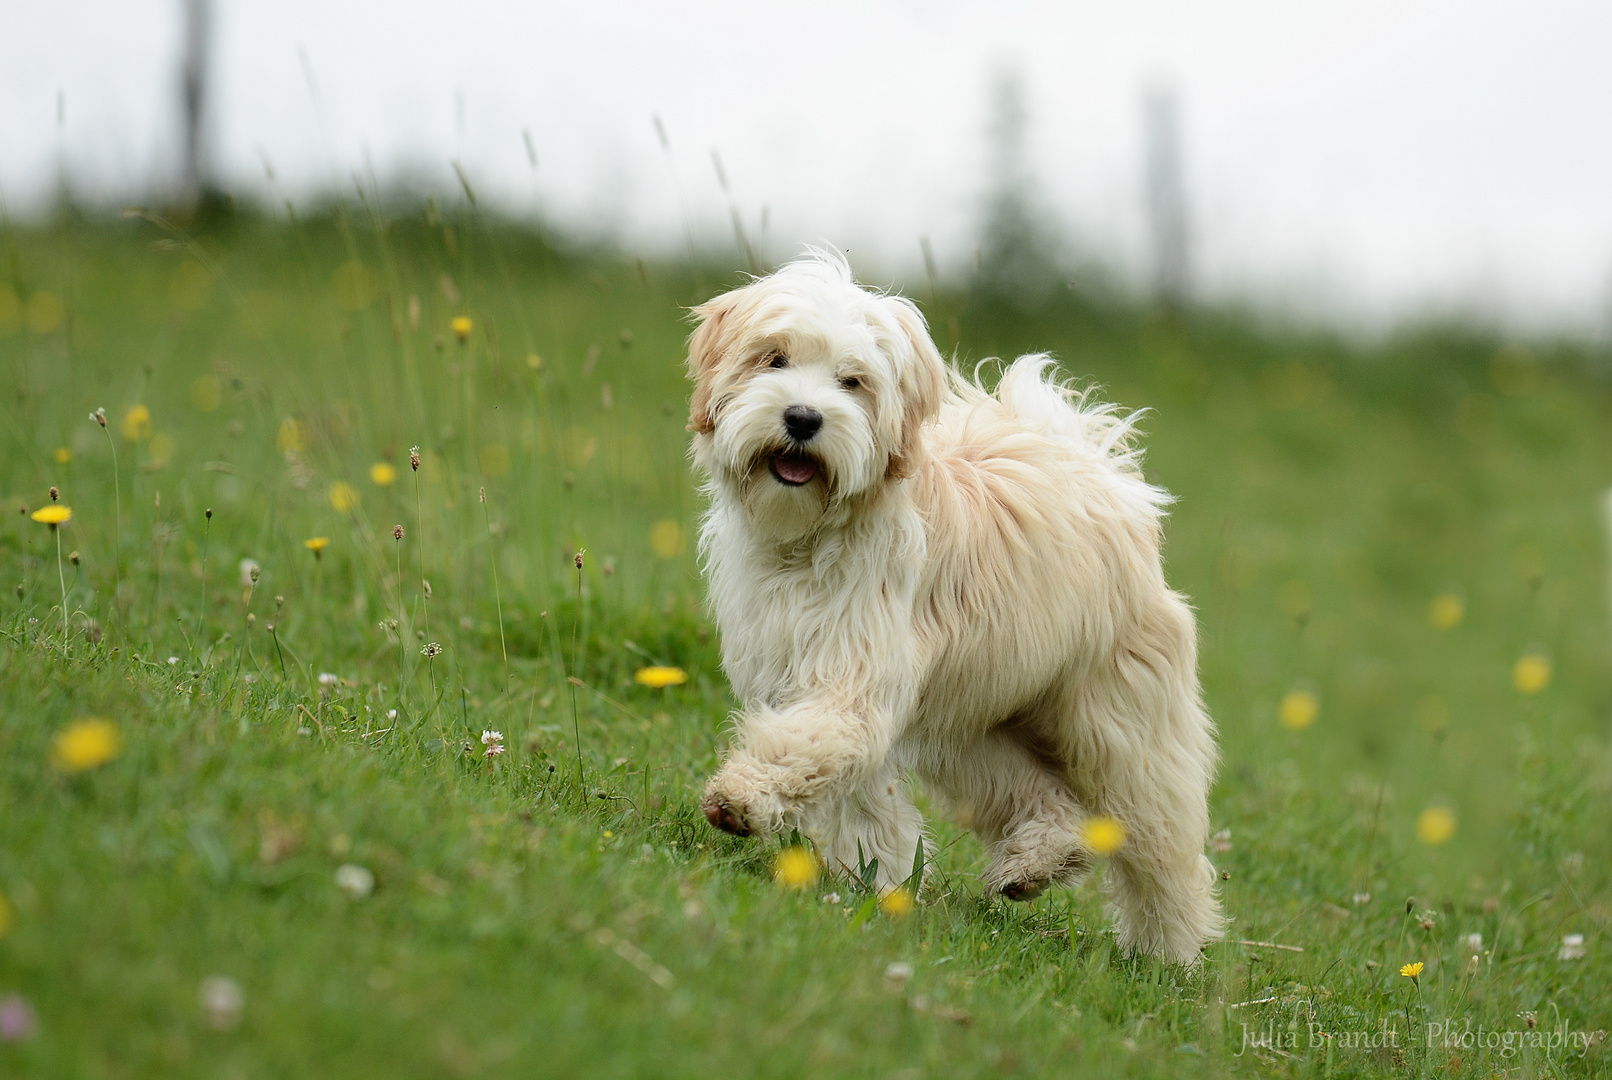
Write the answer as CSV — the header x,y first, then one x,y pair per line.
x,y
291,852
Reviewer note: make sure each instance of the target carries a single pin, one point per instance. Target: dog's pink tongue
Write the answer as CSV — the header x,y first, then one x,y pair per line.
x,y
796,470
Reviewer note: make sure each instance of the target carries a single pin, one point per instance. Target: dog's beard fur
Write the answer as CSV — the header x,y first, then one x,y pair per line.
x,y
978,599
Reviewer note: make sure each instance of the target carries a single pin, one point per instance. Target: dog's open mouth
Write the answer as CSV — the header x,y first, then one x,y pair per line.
x,y
793,469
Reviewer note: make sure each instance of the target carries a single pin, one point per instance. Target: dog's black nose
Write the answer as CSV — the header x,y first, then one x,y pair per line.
x,y
802,422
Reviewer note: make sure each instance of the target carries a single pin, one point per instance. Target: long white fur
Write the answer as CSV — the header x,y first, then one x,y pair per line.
x,y
970,591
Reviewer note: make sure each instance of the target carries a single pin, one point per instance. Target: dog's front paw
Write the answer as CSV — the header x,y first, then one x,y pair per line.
x,y
1022,890
725,817
737,804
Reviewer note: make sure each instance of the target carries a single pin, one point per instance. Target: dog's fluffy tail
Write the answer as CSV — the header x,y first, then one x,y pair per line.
x,y
1031,392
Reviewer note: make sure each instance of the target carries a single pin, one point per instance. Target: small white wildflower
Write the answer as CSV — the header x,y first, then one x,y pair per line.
x,y
1220,843
1473,943
354,880
222,1000
1361,898
831,898
328,678
391,714
490,737
897,974
173,660
432,649
1572,947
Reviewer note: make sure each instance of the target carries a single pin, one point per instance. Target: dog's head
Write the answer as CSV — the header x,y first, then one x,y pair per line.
x,y
808,390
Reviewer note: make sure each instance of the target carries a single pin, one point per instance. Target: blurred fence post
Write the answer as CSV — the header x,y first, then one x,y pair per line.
x,y
197,178
1166,197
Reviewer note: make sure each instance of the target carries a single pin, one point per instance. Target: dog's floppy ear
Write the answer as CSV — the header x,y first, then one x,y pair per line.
x,y
705,348
922,384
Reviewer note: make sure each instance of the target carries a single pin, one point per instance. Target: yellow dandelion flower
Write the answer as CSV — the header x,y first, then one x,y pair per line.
x,y
1412,971
343,496
898,902
1446,611
666,539
292,438
52,515
383,474
1298,710
461,326
1531,674
795,868
1104,835
62,455
316,544
660,677
1435,825
136,423
86,744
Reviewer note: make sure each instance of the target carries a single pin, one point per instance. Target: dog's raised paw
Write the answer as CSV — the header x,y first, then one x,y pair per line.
x,y
725,818
1023,890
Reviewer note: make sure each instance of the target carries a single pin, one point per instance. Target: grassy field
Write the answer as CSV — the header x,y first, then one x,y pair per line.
x,y
290,854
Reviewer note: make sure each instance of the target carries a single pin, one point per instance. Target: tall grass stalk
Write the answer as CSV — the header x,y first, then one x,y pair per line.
x,y
99,416
402,647
61,579
573,680
498,596
201,631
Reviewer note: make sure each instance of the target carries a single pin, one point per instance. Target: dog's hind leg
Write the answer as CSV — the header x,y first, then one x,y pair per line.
x,y
1141,749
876,821
1021,809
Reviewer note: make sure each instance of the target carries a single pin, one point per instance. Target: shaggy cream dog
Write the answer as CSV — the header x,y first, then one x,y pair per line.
x,y
911,574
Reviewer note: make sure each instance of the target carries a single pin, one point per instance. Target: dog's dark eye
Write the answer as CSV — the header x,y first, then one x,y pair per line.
x,y
778,360
851,382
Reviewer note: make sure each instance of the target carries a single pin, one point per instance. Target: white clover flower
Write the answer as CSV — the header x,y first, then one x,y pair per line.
x,y
1572,947
222,1000
354,880
328,678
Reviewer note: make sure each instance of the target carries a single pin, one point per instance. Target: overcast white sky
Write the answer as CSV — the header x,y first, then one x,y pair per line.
x,y
1356,155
